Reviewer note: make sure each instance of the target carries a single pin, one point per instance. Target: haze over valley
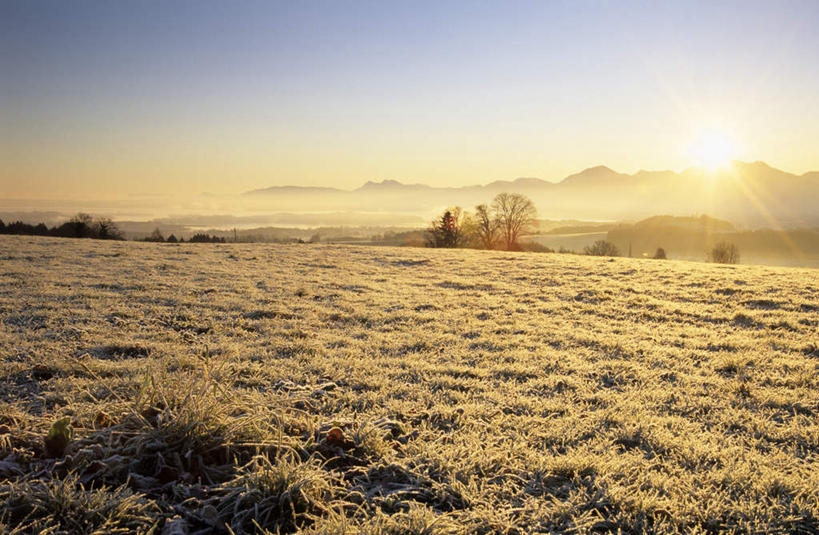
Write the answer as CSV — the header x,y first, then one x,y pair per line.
x,y
751,195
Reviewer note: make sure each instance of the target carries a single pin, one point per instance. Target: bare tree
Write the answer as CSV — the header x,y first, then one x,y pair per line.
x,y
724,253
82,217
156,236
486,226
516,214
601,248
106,229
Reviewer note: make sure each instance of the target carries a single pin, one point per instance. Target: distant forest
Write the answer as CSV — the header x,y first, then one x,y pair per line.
x,y
79,226
100,228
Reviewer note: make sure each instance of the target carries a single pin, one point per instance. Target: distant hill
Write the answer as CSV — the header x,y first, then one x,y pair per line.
x,y
748,194
702,223
691,237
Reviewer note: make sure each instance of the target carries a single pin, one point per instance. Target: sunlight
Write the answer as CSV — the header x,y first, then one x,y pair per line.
x,y
713,149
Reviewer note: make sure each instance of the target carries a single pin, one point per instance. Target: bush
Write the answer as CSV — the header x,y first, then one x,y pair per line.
x,y
660,254
601,248
724,253
156,236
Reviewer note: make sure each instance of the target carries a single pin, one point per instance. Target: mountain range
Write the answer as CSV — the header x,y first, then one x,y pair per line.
x,y
749,194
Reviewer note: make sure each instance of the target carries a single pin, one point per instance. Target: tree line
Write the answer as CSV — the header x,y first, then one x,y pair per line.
x,y
80,226
85,225
199,237
501,224
498,225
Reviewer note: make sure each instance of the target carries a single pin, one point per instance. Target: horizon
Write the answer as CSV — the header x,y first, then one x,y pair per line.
x,y
750,195
109,101
691,169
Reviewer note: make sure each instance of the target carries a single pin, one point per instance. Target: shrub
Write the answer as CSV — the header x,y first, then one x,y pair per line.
x,y
724,253
601,248
156,236
659,254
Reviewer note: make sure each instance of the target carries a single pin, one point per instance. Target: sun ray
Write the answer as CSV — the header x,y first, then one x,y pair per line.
x,y
761,206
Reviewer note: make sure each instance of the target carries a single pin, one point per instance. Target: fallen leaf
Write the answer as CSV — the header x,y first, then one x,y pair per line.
x,y
102,420
335,436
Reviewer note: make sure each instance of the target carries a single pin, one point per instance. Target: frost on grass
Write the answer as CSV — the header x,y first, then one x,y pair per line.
x,y
326,389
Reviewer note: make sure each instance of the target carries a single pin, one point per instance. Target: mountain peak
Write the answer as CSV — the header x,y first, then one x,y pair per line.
x,y
759,164
383,185
598,175
598,169
529,181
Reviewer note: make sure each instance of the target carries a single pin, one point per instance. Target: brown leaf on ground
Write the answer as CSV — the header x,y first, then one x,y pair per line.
x,y
103,420
335,436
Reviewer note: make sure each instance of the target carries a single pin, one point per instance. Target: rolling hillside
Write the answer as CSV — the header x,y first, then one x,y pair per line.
x,y
331,389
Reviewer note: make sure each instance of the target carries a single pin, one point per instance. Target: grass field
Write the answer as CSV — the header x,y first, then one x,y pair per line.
x,y
335,389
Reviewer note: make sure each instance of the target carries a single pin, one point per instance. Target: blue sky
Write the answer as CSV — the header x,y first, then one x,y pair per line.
x,y
174,96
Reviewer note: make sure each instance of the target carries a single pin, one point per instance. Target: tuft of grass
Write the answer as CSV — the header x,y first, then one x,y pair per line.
x,y
418,520
66,506
276,495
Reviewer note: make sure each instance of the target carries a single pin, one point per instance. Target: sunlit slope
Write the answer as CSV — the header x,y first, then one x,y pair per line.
x,y
475,391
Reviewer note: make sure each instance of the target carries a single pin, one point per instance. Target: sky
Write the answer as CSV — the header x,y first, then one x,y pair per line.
x,y
116,99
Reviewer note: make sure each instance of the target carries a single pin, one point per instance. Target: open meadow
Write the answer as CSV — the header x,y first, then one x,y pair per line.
x,y
339,389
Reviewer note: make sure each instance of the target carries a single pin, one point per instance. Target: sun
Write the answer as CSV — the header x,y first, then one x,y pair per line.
x,y
713,149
